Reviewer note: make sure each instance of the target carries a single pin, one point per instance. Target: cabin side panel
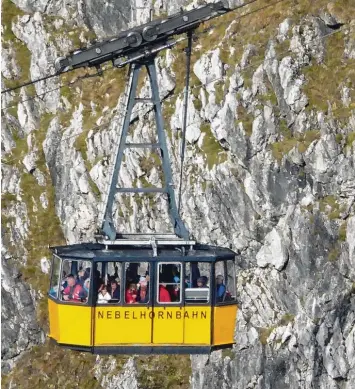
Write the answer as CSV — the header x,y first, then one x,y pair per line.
x,y
168,325
224,320
122,325
75,324
53,320
197,325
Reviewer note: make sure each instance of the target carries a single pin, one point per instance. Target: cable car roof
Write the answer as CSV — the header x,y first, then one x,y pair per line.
x,y
100,252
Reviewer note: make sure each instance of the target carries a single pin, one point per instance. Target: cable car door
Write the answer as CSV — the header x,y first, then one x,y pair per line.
x,y
125,319
168,310
197,310
74,313
225,310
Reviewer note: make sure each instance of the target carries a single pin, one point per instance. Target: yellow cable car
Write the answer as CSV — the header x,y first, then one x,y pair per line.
x,y
138,294
170,300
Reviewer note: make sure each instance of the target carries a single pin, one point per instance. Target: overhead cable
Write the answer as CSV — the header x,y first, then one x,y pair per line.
x,y
28,83
180,40
68,84
187,78
147,109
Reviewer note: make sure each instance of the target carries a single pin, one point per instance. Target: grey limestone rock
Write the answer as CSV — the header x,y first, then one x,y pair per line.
x,y
291,215
19,328
108,376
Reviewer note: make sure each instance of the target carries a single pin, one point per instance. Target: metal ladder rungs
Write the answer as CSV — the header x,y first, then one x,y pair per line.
x,y
141,190
153,100
142,145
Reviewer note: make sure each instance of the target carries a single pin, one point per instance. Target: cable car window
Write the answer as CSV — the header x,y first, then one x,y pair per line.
x,y
107,281
137,283
54,286
225,281
75,281
220,281
230,281
169,283
197,282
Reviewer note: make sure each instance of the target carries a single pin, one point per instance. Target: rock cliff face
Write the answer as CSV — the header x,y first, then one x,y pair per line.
x,y
20,329
269,170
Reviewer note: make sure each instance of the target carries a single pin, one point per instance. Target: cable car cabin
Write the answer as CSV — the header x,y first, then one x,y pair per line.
x,y
124,300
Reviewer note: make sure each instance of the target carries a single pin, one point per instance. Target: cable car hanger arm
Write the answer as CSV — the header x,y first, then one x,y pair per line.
x,y
141,36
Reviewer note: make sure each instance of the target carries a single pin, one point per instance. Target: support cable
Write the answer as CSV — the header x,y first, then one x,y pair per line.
x,y
70,70
69,84
106,124
188,65
28,83
63,85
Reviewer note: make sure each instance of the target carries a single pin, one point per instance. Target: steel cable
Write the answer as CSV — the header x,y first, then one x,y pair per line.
x,y
251,65
28,83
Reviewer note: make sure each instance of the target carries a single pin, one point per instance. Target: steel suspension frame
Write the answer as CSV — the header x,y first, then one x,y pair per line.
x,y
108,228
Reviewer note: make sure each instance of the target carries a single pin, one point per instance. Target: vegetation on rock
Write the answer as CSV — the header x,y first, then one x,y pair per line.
x,y
46,366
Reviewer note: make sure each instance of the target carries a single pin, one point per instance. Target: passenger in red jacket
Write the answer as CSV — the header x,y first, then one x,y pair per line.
x,y
164,296
131,294
74,292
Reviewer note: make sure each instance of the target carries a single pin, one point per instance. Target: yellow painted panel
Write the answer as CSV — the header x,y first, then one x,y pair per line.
x,y
197,325
224,324
53,320
75,324
168,325
123,325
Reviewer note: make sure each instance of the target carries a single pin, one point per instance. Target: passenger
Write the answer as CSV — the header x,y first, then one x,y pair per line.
x,y
73,292
87,273
104,296
220,288
53,291
176,275
86,289
164,295
131,294
143,295
187,282
100,286
201,282
64,280
87,285
115,290
81,277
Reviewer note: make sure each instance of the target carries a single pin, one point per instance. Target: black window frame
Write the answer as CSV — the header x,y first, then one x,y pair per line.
x,y
123,284
89,298
210,294
225,276
95,286
59,278
156,284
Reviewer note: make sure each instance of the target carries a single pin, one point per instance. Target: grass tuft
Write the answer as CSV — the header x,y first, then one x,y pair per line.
x,y
301,141
342,231
325,81
333,254
214,152
164,371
